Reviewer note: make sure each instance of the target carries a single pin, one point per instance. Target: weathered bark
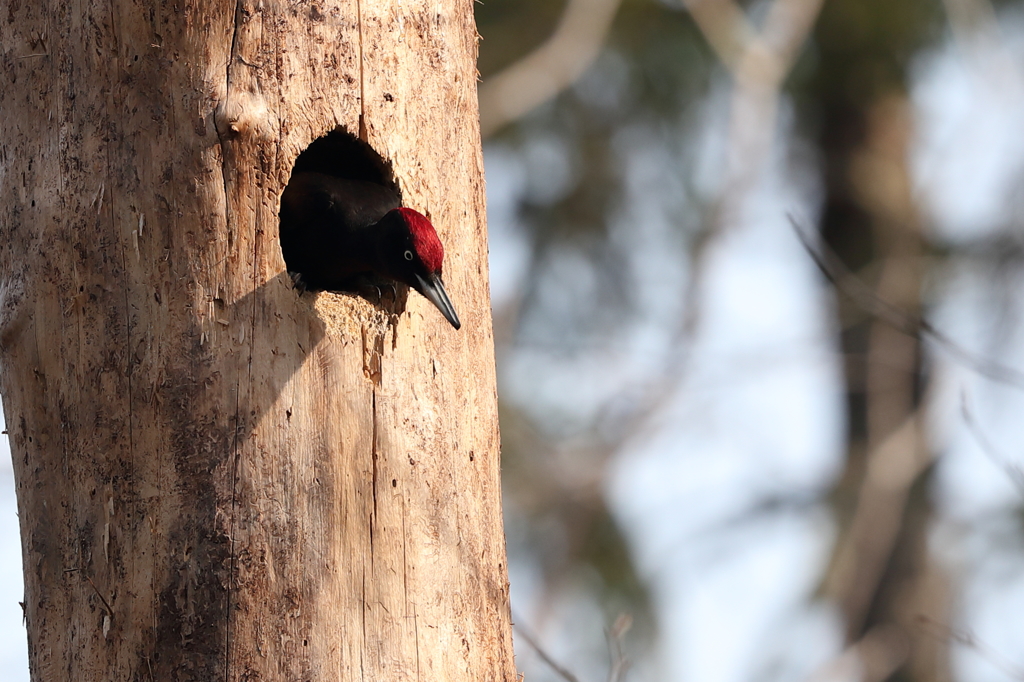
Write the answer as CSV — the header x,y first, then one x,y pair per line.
x,y
217,477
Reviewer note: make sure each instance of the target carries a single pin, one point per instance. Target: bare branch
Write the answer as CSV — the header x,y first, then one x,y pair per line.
x,y
619,662
759,63
544,656
909,323
549,69
743,49
970,640
862,555
725,27
786,28
872,658
1012,471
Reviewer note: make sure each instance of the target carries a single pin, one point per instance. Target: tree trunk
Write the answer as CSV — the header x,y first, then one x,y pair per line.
x,y
219,478
883,576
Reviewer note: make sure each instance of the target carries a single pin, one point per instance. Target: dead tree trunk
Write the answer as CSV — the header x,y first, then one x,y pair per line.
x,y
218,478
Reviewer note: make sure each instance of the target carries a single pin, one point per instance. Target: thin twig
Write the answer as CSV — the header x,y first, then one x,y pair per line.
x,y
909,323
619,662
1012,471
544,656
970,640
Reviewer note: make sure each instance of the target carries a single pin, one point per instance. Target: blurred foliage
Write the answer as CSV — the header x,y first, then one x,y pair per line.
x,y
654,65
649,89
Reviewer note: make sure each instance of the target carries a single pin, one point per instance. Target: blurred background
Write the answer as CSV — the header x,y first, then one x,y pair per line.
x,y
758,294
720,464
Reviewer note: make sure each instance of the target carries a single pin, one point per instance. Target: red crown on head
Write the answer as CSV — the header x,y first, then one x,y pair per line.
x,y
424,239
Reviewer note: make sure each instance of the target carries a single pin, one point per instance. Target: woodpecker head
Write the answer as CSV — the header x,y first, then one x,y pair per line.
x,y
413,254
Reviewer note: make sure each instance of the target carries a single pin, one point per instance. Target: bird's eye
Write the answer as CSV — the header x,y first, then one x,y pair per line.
x,y
408,255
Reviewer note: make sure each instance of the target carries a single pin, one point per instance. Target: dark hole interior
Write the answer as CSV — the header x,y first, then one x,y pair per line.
x,y
343,155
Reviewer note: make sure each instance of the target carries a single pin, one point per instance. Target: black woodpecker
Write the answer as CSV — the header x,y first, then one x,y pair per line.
x,y
342,235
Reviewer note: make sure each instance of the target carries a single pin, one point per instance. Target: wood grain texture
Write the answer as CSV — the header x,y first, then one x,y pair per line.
x,y
219,478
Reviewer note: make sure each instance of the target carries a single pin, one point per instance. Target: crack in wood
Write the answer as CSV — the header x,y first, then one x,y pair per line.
x,y
362,80
232,558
